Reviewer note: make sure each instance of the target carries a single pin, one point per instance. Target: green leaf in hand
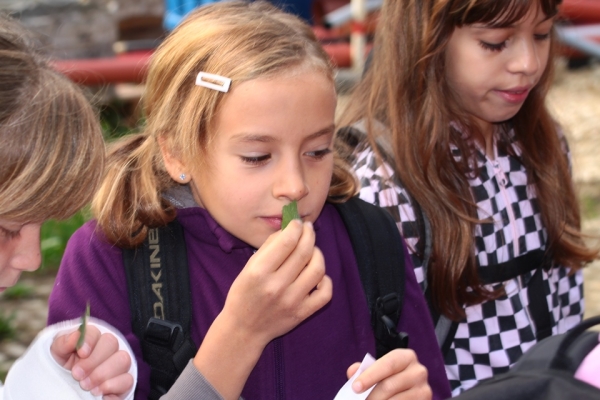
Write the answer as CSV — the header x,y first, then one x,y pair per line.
x,y
289,212
83,327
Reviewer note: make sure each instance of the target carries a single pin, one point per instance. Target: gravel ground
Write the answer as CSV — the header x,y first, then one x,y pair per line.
x,y
575,102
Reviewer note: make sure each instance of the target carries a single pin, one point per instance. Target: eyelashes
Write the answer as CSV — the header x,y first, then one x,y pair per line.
x,y
501,46
263,159
493,46
259,160
319,154
9,235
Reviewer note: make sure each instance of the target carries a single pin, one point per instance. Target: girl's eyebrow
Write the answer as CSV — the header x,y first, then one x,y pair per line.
x,y
322,132
12,226
265,138
252,137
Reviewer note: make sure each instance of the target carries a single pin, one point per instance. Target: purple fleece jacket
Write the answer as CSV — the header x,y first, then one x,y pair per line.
x,y
309,362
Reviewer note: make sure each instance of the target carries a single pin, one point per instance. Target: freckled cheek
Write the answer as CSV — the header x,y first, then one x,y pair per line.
x,y
3,267
6,254
323,181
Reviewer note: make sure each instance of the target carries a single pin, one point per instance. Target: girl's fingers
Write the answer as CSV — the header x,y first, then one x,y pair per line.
x,y
284,255
111,397
390,364
310,275
311,289
320,296
111,376
352,369
398,373
106,346
92,336
302,251
63,347
280,294
410,384
300,259
277,248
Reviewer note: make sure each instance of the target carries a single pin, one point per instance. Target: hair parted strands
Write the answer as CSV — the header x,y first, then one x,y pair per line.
x,y
235,39
51,143
406,90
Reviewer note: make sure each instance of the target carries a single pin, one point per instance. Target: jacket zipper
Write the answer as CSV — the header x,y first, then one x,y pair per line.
x,y
279,370
512,221
502,182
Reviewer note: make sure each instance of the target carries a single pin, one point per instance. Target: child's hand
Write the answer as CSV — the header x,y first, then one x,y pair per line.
x,y
398,375
99,366
282,284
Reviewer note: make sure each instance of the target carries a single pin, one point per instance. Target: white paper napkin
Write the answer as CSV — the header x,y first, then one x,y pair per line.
x,y
346,392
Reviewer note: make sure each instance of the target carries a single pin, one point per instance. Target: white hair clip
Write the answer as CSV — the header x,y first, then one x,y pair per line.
x,y
215,82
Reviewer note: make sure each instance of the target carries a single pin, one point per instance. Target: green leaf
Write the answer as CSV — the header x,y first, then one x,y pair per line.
x,y
289,212
83,327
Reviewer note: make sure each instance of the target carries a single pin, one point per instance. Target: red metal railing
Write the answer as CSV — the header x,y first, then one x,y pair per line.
x,y
131,67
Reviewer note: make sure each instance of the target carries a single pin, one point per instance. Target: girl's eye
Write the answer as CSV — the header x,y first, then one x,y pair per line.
x,y
8,234
542,36
257,160
318,154
493,46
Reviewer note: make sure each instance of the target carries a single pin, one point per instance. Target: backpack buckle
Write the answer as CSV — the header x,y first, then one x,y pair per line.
x,y
386,307
388,304
163,333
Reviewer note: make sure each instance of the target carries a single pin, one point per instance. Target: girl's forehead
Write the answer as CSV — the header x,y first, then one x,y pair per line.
x,y
309,66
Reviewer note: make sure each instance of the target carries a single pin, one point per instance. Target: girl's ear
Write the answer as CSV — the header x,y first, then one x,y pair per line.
x,y
174,165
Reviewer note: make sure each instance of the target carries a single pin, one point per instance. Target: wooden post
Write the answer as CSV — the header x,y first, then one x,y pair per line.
x,y
358,37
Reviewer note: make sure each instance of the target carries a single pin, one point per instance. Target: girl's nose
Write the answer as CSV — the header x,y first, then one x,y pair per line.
x,y
290,182
27,254
525,58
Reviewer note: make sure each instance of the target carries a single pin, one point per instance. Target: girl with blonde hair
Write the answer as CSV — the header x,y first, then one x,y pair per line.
x,y
450,133
239,108
52,155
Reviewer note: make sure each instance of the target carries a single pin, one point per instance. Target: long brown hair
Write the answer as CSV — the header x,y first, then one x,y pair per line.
x,y
51,145
239,40
405,89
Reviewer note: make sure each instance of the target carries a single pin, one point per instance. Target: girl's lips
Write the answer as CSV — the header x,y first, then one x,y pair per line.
x,y
273,222
515,96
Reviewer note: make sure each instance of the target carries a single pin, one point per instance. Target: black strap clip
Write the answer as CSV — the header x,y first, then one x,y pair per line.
x,y
163,333
387,307
388,304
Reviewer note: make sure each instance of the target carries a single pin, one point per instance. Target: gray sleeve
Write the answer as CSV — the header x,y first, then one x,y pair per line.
x,y
191,384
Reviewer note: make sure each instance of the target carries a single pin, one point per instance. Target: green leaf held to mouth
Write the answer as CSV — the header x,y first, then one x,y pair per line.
x,y
83,327
289,212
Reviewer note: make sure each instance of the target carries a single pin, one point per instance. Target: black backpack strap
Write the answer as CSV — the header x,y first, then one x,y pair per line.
x,y
538,305
160,304
353,136
377,246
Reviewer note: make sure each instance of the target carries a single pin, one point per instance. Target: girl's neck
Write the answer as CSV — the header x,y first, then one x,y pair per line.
x,y
486,139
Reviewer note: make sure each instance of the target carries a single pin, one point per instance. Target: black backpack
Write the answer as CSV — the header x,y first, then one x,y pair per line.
x,y
545,372
160,299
